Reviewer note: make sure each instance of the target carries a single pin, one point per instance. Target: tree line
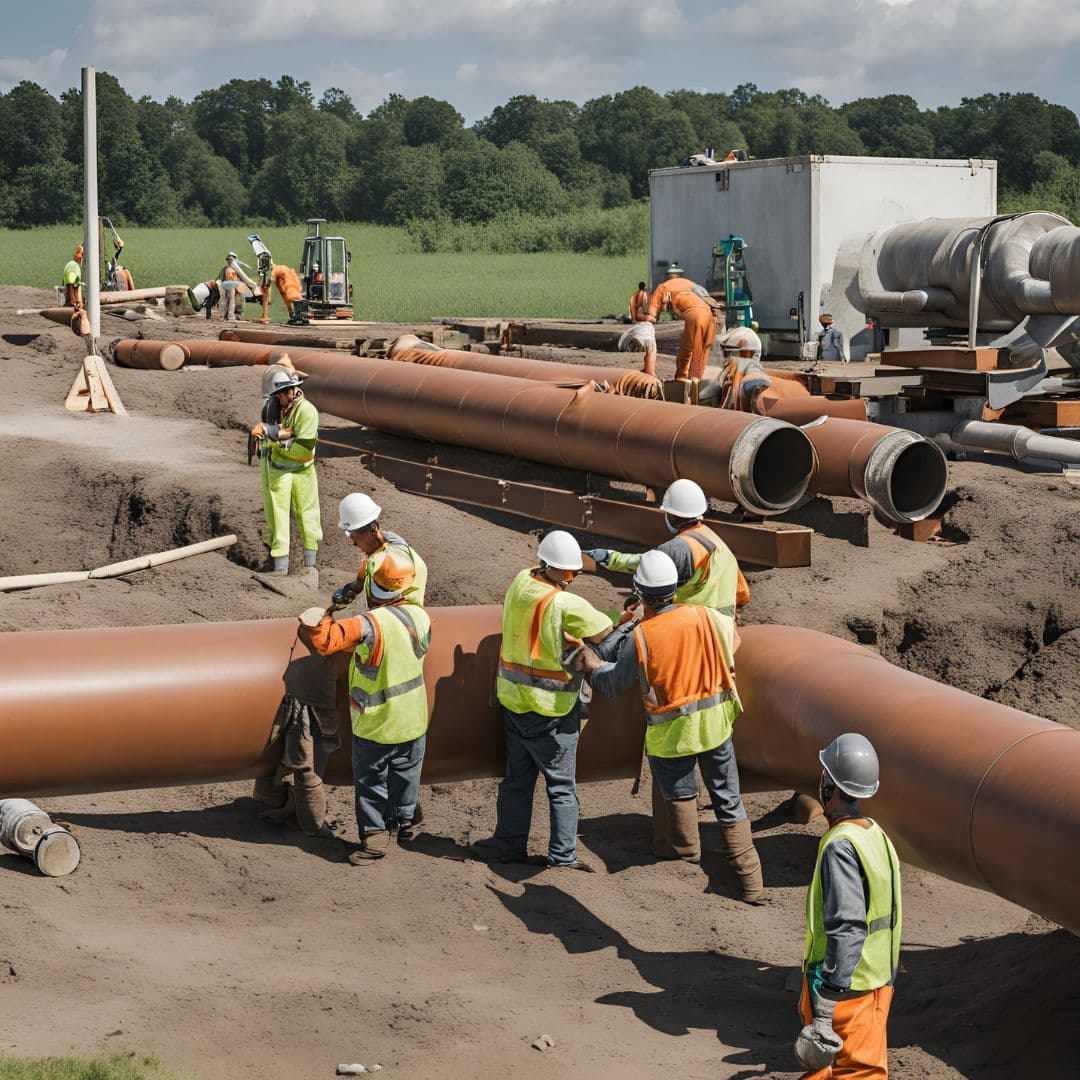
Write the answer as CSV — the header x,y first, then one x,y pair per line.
x,y
254,151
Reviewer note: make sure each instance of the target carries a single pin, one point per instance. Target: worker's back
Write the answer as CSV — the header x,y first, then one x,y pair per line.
x,y
682,294
716,578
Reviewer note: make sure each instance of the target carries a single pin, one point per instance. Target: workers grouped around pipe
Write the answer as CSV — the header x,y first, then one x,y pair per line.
x,y
853,924
708,573
288,432
691,303
681,656
387,703
542,703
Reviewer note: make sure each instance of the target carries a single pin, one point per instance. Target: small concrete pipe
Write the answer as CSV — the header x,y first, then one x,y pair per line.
x,y
27,830
759,462
1019,442
151,355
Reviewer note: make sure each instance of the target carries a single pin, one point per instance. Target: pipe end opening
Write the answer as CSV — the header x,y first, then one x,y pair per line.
x,y
771,465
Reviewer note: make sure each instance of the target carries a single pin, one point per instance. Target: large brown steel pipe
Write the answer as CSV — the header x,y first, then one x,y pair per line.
x,y
150,355
125,714
761,463
970,789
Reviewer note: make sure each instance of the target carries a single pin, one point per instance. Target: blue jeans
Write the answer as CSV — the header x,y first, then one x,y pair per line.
x,y
387,782
677,780
553,752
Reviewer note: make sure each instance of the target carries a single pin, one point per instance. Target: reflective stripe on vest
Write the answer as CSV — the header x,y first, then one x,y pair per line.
x,y
880,866
365,700
289,464
702,548
556,679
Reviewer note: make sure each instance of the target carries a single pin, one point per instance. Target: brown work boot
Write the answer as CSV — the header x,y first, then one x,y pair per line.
x,y
373,845
683,829
744,860
661,826
311,808
281,815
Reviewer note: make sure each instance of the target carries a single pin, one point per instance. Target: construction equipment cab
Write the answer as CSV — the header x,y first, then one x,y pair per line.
x,y
729,282
324,274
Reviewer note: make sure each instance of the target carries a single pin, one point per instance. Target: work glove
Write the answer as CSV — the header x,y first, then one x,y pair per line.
x,y
818,1044
347,593
599,555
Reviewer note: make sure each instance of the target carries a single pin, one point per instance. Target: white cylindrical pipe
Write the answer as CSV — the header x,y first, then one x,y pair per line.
x,y
91,258
27,830
144,562
1018,442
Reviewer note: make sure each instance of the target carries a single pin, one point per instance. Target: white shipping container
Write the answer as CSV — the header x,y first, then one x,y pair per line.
x,y
796,215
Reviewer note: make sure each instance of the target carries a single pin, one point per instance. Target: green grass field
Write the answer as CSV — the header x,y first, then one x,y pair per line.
x,y
391,282
113,1067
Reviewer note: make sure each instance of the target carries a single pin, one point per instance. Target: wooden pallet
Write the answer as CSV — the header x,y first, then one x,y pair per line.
x,y
1043,412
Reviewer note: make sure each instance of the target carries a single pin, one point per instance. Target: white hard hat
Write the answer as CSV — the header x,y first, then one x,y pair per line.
x,y
283,380
232,255
198,295
685,499
560,551
656,574
357,510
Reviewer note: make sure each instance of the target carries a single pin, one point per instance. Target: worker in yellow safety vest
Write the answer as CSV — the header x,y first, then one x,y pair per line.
x,y
359,517
853,925
708,572
287,434
73,280
682,658
387,702
541,703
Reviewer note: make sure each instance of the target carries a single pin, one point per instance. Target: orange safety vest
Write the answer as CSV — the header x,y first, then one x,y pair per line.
x,y
679,293
681,664
639,304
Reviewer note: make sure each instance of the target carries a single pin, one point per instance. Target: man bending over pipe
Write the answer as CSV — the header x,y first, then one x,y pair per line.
x,y
682,658
852,925
691,303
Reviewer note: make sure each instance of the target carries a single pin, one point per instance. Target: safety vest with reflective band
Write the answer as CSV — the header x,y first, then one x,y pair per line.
x,y
530,677
303,418
73,273
715,580
881,949
686,674
414,594
387,699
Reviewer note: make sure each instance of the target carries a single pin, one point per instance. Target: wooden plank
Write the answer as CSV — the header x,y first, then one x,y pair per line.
x,y
981,359
98,401
1043,412
920,531
78,397
111,394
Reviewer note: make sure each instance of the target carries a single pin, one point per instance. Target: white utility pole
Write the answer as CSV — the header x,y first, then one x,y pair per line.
x,y
91,256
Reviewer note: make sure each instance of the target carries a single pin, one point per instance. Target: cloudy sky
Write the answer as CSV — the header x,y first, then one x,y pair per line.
x,y
478,53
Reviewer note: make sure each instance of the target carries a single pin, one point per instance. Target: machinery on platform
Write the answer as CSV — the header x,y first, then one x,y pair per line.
x,y
729,282
324,275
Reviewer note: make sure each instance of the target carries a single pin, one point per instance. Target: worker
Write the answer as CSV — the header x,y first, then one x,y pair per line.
x,y
288,285
641,337
682,657
639,304
690,303
204,296
708,573
307,726
73,280
541,703
124,281
830,341
358,516
288,433
853,924
232,272
387,703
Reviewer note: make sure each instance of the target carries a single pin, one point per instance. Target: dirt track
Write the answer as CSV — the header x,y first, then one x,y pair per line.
x,y
194,932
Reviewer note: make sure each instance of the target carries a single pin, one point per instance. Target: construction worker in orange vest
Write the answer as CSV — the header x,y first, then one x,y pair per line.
x,y
689,302
287,284
682,657
708,573
639,303
853,925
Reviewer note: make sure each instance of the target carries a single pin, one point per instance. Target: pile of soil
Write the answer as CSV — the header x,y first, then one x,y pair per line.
x,y
197,933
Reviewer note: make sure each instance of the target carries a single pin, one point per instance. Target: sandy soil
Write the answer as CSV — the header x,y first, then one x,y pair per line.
x,y
227,948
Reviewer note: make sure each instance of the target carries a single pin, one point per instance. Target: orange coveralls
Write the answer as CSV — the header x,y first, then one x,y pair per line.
x,y
699,326
639,303
288,284
861,1022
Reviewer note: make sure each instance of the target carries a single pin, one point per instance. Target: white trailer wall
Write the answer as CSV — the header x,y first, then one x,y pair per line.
x,y
797,215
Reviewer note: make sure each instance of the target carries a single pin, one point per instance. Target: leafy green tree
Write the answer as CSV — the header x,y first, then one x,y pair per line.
x,y
414,184
711,117
890,126
528,120
786,123
428,120
337,102
234,120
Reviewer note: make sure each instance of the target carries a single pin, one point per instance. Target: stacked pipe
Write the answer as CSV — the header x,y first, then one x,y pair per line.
x,y
151,355
988,798
759,462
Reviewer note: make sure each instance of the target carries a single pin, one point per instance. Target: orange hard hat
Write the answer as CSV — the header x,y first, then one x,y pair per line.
x,y
391,578
79,253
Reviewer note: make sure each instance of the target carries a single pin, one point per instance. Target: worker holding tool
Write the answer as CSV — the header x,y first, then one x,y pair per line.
x,y
853,924
682,657
234,285
691,303
287,436
387,703
358,516
708,572
639,304
541,703
830,341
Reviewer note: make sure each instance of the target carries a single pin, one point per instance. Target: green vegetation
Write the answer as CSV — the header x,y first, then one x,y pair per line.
x,y
393,281
254,151
114,1067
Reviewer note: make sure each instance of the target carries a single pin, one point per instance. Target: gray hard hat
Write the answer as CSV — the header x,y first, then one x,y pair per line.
x,y
852,764
283,380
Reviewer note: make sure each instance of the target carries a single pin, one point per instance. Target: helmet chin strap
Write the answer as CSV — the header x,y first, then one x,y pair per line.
x,y
671,528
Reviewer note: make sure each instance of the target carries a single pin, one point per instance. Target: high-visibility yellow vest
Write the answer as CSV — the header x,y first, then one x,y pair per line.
x,y
303,418
530,677
387,697
715,580
686,674
73,273
881,949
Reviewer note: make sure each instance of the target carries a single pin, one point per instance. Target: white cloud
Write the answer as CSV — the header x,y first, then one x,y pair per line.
x,y
466,72
366,88
45,70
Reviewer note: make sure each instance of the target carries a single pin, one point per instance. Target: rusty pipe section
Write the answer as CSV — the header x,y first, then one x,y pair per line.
x,y
761,463
975,791
150,355
126,715
901,474
410,349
